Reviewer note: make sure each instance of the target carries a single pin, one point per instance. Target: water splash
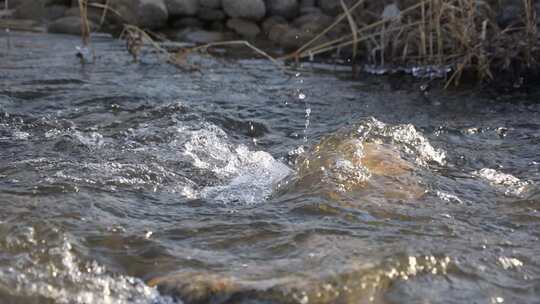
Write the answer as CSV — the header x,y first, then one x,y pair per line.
x,y
244,176
53,271
409,140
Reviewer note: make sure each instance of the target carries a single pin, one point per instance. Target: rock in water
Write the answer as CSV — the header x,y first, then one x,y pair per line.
x,y
244,28
211,14
149,14
68,25
284,8
182,7
247,9
201,36
29,9
372,162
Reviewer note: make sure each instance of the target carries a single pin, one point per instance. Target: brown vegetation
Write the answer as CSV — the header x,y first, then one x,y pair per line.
x,y
462,34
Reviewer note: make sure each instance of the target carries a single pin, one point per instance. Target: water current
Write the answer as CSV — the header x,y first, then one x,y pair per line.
x,y
127,182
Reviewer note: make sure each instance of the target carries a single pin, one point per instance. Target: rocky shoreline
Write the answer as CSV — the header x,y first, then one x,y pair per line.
x,y
285,23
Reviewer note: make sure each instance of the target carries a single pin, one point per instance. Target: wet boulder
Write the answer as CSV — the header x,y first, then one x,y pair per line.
x,y
93,14
307,3
195,287
373,162
246,9
211,14
313,22
29,9
330,7
276,32
245,28
68,25
149,14
368,170
269,22
182,7
201,36
211,3
284,8
187,22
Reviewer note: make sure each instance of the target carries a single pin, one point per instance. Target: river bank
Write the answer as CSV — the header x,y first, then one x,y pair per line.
x,y
447,39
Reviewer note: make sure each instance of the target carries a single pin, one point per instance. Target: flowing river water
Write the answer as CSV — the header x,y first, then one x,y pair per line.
x,y
140,183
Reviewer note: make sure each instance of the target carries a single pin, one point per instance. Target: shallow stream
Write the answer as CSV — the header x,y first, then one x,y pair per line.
x,y
241,184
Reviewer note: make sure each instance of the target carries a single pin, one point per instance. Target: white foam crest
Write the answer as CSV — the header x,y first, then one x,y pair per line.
x,y
511,185
209,149
246,176
413,142
63,280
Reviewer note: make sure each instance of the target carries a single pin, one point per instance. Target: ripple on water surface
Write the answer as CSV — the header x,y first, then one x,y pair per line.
x,y
137,183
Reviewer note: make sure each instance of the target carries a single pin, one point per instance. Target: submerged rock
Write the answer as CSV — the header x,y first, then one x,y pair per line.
x,y
373,162
355,282
365,170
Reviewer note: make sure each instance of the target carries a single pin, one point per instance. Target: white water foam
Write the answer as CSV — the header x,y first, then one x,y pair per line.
x,y
410,140
246,176
64,279
510,184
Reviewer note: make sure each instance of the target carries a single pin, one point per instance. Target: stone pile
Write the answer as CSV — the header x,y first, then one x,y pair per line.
x,y
286,23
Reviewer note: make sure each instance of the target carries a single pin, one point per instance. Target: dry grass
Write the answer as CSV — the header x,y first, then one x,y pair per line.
x,y
462,34
136,38
85,24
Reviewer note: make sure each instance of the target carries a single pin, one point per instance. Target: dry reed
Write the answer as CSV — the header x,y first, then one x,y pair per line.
x,y
462,34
